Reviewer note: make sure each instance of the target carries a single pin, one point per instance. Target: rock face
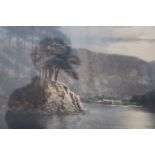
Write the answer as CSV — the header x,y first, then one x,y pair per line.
x,y
44,96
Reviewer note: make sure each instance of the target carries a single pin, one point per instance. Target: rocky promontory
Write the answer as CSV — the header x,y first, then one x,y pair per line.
x,y
45,96
28,105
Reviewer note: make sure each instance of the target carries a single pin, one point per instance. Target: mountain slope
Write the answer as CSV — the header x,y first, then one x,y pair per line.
x,y
111,75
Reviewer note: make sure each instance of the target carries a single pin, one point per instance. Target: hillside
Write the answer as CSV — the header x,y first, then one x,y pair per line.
x,y
114,76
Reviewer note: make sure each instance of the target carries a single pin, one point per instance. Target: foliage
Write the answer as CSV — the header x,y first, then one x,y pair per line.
x,y
17,43
53,55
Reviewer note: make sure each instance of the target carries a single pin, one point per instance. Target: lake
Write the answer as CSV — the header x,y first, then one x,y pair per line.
x,y
96,116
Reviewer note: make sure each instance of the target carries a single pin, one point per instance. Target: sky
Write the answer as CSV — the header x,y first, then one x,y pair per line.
x,y
135,41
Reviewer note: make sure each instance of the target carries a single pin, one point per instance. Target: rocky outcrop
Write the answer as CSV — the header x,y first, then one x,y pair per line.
x,y
44,96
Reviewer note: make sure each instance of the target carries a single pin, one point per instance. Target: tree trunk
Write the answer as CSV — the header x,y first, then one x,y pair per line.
x,y
31,63
10,41
56,73
51,72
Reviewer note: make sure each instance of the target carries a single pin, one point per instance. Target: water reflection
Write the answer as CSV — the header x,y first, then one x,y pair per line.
x,y
24,120
105,117
138,118
96,117
64,121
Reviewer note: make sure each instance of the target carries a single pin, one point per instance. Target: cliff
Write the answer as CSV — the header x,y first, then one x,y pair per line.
x,y
44,96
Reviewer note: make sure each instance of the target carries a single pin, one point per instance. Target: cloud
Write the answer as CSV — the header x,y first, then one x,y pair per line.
x,y
143,50
135,41
138,32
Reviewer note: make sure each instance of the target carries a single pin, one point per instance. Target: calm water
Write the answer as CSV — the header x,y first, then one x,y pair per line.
x,y
103,116
98,117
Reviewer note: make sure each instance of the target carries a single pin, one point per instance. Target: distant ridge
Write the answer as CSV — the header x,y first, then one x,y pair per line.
x,y
111,75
